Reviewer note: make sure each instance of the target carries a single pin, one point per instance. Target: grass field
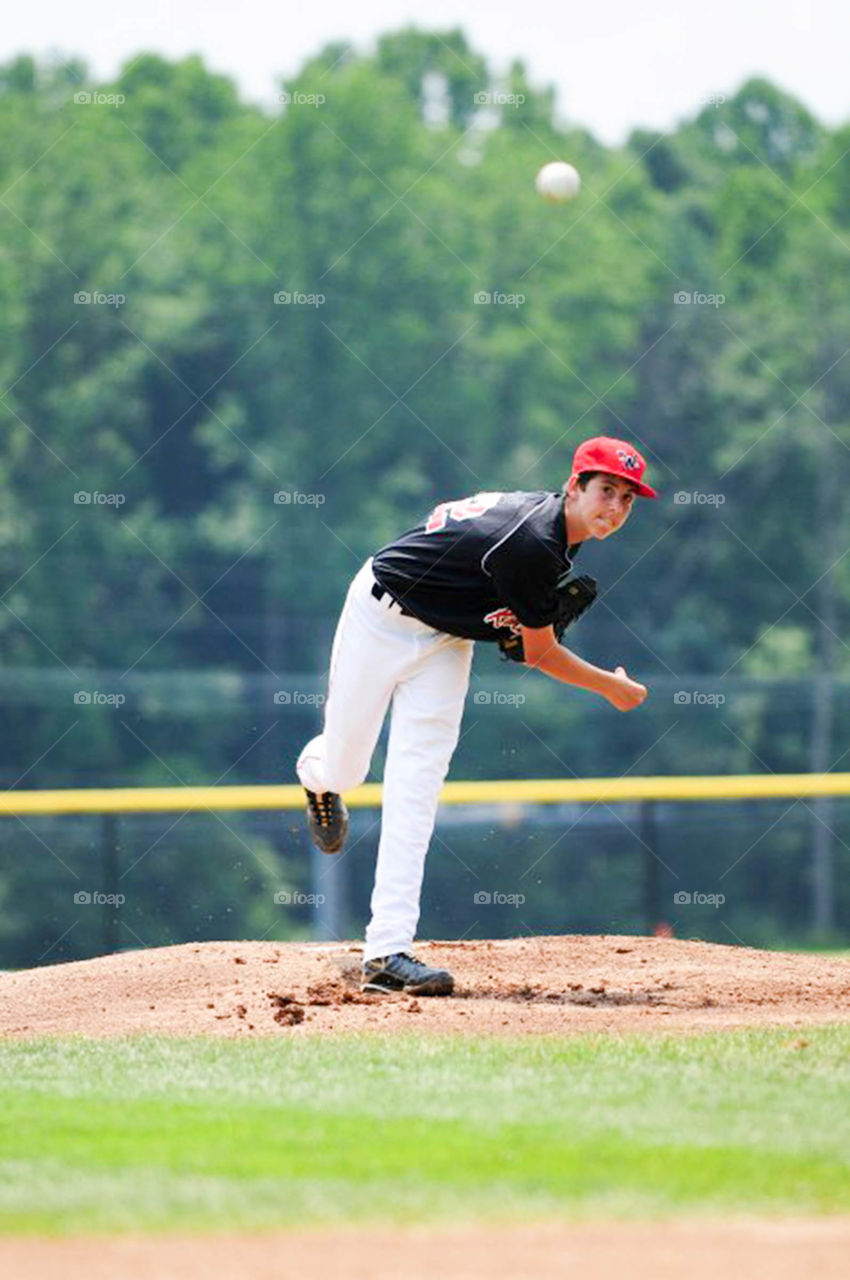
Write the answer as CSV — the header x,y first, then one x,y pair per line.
x,y
160,1134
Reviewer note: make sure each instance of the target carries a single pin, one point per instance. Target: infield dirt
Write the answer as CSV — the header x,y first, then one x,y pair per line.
x,y
534,985
748,1249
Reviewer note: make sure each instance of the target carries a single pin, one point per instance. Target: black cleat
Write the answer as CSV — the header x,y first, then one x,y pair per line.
x,y
327,819
402,972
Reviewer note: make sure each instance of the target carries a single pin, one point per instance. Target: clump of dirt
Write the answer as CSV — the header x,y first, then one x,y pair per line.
x,y
345,990
287,1011
509,986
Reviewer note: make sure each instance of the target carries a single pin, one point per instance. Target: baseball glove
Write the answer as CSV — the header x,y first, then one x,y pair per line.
x,y
575,595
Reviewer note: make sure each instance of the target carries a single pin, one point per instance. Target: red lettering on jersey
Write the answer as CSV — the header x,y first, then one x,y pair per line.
x,y
462,509
504,618
437,519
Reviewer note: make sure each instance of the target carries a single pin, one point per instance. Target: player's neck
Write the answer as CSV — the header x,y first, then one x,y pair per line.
x,y
575,530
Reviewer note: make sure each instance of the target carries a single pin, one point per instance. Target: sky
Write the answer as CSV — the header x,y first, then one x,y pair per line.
x,y
616,64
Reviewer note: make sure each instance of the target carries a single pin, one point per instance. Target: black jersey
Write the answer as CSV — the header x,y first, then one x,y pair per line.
x,y
477,567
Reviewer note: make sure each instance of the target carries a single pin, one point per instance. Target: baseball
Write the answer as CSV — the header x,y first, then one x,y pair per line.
x,y
558,181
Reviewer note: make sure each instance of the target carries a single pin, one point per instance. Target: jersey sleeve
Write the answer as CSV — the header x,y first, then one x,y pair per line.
x,y
525,570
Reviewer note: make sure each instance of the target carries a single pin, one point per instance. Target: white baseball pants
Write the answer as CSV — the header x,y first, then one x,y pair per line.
x,y
380,655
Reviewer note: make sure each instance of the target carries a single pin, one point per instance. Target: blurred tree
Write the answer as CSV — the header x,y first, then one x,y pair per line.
x,y
411,57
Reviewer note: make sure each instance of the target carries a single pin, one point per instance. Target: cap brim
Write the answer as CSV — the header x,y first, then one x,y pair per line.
x,y
642,490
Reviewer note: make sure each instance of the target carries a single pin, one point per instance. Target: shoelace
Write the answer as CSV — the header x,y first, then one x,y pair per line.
x,y
321,807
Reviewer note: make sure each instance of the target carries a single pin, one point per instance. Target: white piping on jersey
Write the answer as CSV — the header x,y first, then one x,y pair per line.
x,y
511,532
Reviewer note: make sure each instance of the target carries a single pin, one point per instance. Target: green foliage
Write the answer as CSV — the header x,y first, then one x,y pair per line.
x,y
410,56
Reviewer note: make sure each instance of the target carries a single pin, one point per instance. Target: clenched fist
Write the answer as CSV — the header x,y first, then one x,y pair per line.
x,y
624,693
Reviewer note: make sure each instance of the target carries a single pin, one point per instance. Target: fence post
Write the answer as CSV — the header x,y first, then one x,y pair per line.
x,y
327,885
109,877
652,908
820,752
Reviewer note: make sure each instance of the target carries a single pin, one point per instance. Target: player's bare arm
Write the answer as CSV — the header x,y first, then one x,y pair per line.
x,y
543,652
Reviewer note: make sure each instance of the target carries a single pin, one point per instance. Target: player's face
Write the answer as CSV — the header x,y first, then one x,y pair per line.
x,y
602,507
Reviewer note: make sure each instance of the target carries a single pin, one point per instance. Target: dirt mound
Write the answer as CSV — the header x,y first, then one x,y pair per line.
x,y
557,984
702,1250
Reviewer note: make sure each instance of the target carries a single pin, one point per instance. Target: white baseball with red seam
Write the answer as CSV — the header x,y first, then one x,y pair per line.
x,y
558,181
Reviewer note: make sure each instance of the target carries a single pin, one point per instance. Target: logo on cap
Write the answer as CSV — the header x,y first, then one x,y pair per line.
x,y
629,460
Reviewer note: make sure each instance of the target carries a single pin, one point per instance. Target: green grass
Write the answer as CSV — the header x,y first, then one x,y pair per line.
x,y
834,953
157,1133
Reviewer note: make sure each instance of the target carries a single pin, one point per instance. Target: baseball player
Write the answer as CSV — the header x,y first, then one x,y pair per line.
x,y
494,567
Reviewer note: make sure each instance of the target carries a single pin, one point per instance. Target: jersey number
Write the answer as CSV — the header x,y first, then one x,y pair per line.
x,y
463,509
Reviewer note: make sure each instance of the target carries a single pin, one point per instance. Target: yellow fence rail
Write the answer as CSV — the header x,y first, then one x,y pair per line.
x,y
516,791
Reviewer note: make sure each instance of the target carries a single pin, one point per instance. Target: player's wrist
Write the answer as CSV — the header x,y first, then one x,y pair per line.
x,y
568,667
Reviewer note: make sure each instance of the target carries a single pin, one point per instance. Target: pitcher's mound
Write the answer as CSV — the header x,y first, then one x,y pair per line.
x,y
560,984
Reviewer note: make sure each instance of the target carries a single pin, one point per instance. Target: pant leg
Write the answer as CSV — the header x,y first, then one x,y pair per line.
x,y
371,652
426,716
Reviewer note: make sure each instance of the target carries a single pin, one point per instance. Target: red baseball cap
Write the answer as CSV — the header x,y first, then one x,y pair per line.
x,y
616,458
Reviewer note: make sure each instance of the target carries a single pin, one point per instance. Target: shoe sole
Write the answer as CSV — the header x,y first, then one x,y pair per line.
x,y
434,987
337,845
335,848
